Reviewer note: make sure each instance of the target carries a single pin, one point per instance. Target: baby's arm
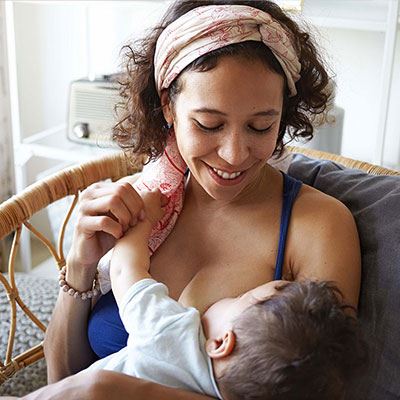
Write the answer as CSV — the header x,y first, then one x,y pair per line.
x,y
130,260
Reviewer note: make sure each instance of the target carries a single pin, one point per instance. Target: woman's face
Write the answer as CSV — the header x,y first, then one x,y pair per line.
x,y
226,122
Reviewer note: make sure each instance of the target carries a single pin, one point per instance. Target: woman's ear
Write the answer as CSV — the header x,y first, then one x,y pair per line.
x,y
222,346
166,107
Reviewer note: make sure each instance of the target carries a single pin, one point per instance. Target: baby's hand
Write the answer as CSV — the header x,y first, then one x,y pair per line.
x,y
153,203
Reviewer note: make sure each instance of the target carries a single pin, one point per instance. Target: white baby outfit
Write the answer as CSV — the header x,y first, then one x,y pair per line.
x,y
166,342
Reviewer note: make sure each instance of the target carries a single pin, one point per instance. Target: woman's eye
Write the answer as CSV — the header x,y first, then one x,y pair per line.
x,y
263,130
208,128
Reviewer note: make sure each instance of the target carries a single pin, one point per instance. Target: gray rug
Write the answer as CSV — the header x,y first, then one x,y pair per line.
x,y
40,295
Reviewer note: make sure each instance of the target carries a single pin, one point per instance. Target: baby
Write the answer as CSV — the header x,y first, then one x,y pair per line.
x,y
281,340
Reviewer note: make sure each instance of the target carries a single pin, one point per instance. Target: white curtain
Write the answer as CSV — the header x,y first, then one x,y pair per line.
x,y
6,158
6,183
6,148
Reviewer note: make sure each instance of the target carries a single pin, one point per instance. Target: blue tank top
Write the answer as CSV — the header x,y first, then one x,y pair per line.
x,y
106,332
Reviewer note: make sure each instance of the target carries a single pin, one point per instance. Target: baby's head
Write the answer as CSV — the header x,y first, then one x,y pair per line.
x,y
284,340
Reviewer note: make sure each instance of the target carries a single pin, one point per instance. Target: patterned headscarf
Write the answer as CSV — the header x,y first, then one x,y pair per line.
x,y
209,28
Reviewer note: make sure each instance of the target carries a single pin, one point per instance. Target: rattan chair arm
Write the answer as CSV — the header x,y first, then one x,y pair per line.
x,y
69,181
20,208
21,361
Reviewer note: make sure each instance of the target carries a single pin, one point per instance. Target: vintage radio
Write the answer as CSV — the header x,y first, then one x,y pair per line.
x,y
91,113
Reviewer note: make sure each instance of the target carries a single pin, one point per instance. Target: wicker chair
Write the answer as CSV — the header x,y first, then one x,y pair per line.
x,y
16,212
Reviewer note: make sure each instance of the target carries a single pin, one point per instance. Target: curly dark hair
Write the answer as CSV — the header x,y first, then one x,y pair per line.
x,y
141,126
299,344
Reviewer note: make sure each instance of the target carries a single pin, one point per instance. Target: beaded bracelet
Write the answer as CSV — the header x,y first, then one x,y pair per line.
x,y
75,293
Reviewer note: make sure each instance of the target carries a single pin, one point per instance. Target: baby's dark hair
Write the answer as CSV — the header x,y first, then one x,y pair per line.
x,y
300,344
141,126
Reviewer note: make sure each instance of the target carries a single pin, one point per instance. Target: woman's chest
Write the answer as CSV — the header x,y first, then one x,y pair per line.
x,y
206,259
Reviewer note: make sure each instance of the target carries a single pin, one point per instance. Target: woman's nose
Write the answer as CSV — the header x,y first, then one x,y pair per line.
x,y
234,149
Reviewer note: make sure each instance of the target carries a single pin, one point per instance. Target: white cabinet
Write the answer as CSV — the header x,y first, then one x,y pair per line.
x,y
360,38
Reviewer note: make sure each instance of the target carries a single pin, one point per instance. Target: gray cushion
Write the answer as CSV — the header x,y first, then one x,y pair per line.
x,y
375,203
40,295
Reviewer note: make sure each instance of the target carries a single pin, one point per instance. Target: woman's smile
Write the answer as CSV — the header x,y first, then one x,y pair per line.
x,y
225,178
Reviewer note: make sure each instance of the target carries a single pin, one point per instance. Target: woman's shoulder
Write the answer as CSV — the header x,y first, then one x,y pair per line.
x,y
318,216
324,242
314,206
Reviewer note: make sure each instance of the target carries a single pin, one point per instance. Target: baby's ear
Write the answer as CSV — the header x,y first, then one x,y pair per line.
x,y
222,346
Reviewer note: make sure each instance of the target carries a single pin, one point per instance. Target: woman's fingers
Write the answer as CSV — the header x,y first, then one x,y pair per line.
x,y
122,198
131,199
111,206
89,225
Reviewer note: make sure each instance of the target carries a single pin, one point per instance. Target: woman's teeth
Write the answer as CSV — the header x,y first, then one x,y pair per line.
x,y
226,175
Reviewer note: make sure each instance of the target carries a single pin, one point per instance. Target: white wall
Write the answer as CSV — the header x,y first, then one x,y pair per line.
x,y
354,57
392,147
50,43
58,42
112,25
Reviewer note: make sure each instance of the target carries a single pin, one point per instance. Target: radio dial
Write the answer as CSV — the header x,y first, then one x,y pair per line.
x,y
81,130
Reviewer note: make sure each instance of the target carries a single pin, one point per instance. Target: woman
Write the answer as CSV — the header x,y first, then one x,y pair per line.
x,y
226,86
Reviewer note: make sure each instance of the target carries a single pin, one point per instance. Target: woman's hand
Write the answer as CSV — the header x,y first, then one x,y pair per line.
x,y
106,212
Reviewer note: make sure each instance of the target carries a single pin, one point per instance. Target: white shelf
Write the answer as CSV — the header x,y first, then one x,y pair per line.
x,y
343,23
370,15
54,144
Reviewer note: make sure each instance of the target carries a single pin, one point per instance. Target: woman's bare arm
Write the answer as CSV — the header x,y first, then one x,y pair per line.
x,y
134,388
66,346
109,385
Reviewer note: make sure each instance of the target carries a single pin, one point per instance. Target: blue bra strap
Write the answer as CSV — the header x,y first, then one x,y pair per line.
x,y
291,188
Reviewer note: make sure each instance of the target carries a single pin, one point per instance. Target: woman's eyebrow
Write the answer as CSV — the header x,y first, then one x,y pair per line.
x,y
206,110
268,113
